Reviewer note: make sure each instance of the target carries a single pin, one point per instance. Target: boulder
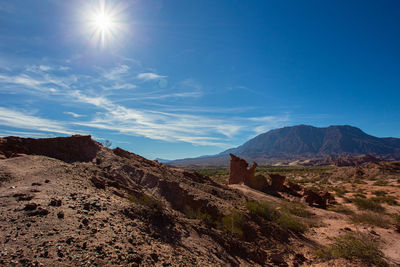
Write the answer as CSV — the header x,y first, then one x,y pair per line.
x,y
277,181
312,197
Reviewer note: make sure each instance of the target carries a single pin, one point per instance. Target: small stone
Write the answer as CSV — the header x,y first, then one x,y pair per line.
x,y
60,215
277,258
47,181
85,221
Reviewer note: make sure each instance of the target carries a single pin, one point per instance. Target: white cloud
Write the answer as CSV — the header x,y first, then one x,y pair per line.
x,y
37,83
17,119
116,73
166,126
146,76
73,114
122,86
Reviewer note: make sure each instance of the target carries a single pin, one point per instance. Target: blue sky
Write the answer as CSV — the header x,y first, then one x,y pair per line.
x,y
175,79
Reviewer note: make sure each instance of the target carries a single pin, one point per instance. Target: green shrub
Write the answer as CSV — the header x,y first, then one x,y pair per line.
x,y
396,218
368,204
390,200
381,183
380,193
340,209
287,218
197,214
371,218
354,246
147,201
288,221
233,223
340,191
296,208
263,209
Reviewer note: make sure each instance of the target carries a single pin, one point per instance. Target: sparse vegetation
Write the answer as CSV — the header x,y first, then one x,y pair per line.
x,y
390,200
197,214
233,223
296,208
295,169
359,195
218,175
287,217
368,204
107,143
340,191
263,209
288,221
147,201
396,218
371,218
379,193
354,246
341,209
381,183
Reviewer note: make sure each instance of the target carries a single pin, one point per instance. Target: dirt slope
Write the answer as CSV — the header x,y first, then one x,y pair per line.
x,y
117,209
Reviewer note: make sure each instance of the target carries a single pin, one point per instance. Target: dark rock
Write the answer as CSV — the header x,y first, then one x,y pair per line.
x,y
276,258
39,212
30,206
60,215
55,202
277,181
47,181
85,221
36,184
98,182
24,197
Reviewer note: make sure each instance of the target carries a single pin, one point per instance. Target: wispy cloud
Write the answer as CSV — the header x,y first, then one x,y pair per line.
x,y
146,76
116,72
17,119
44,83
73,114
122,86
145,116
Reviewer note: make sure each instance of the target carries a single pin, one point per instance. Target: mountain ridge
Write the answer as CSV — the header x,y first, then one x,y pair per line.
x,y
305,142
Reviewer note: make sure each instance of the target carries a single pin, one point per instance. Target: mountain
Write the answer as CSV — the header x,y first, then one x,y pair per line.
x,y
304,142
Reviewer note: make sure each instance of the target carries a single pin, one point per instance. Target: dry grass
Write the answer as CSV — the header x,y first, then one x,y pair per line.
x,y
354,246
371,218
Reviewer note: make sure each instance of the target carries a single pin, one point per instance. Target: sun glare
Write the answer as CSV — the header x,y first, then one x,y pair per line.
x,y
104,22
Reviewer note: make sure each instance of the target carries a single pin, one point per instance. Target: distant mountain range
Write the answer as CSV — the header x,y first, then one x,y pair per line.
x,y
303,142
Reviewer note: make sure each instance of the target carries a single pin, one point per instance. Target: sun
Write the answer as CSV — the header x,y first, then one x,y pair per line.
x,y
104,22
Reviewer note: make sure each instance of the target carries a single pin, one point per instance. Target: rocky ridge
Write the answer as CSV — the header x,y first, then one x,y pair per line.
x,y
78,203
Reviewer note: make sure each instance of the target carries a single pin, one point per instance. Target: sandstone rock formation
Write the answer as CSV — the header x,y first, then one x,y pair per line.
x,y
239,172
68,149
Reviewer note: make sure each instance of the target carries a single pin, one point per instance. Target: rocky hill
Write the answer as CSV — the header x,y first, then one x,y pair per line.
x,y
77,203
72,202
304,142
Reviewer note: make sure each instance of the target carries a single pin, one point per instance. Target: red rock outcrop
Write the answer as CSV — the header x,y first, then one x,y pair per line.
x,y
239,172
277,181
70,149
321,199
